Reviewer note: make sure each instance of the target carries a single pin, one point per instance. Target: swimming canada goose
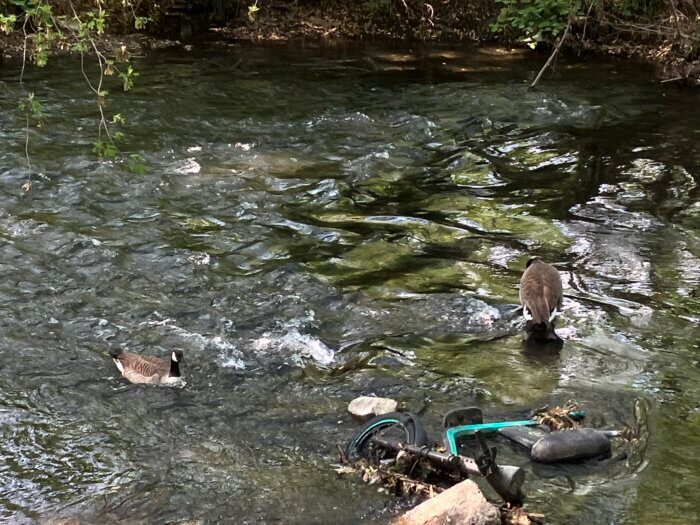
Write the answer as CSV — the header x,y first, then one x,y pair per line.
x,y
148,369
541,296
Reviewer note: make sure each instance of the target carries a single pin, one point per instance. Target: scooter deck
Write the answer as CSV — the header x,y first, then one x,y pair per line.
x,y
561,445
526,437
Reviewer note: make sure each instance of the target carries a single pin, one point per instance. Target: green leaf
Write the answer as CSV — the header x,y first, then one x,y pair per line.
x,y
6,23
136,164
80,46
141,21
104,149
252,9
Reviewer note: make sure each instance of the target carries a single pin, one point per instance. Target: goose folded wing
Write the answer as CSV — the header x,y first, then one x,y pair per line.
x,y
148,366
533,298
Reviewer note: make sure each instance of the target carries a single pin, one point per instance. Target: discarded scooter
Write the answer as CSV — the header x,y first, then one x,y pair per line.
x,y
384,439
541,443
377,439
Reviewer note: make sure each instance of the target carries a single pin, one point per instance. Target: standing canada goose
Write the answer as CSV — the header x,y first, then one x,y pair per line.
x,y
541,296
148,369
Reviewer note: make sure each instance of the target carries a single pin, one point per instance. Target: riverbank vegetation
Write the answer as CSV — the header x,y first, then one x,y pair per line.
x,y
664,32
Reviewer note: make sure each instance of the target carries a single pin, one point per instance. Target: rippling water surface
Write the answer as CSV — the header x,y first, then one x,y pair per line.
x,y
314,224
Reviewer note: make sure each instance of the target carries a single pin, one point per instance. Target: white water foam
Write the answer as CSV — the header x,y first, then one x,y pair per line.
x,y
228,353
301,345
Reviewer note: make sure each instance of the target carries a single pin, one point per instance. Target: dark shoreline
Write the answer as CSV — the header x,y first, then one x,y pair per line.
x,y
342,24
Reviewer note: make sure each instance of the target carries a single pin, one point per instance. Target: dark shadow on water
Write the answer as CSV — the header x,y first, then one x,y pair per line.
x,y
546,352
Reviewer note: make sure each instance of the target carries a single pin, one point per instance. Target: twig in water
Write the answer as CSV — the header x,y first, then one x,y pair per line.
x,y
555,52
343,456
24,47
28,184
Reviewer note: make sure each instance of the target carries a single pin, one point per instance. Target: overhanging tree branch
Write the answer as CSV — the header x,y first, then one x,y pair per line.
x,y
555,52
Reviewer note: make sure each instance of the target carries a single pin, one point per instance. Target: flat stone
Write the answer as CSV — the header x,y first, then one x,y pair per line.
x,y
464,504
364,408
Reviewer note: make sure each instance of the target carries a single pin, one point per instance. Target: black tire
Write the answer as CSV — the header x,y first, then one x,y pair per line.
x,y
402,425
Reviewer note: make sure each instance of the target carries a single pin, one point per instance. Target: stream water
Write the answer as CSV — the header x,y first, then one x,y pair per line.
x,y
310,224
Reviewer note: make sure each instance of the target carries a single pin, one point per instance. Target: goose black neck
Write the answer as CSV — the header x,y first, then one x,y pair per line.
x,y
174,368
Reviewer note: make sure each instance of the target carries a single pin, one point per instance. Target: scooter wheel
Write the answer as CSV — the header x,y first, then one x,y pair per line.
x,y
403,426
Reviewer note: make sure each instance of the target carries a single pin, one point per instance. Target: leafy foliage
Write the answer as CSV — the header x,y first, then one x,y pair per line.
x,y
128,77
48,25
31,107
535,20
104,148
252,9
7,22
141,21
136,164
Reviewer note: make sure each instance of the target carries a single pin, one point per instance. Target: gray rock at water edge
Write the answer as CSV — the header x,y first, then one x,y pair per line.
x,y
462,504
364,408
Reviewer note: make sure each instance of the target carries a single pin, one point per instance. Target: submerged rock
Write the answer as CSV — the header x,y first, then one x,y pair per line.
x,y
464,504
364,408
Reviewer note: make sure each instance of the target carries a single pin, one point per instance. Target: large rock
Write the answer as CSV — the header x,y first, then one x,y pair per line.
x,y
364,408
463,504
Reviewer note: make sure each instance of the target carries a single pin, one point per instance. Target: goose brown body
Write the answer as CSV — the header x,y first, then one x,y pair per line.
x,y
137,368
540,294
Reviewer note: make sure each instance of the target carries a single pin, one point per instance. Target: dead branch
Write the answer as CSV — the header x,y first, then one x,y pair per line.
x,y
555,52
674,11
585,21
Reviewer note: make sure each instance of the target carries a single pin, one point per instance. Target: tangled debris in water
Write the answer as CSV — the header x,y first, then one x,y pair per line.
x,y
401,478
559,418
517,516
417,481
